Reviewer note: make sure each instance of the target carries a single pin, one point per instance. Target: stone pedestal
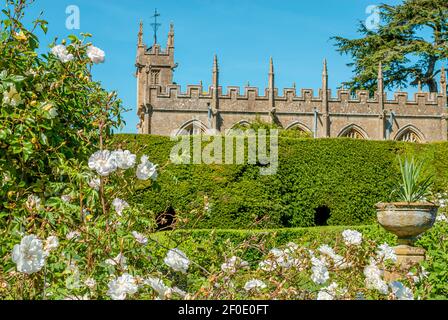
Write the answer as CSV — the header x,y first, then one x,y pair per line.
x,y
407,257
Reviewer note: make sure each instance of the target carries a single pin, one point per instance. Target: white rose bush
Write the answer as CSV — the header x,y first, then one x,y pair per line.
x,y
70,228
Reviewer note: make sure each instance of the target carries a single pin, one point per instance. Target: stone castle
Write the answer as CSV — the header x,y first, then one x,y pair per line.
x,y
164,110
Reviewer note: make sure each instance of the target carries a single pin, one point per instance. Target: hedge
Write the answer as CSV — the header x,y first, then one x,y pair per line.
x,y
209,247
342,177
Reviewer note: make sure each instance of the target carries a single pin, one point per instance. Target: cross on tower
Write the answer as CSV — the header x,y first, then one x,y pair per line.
x,y
155,25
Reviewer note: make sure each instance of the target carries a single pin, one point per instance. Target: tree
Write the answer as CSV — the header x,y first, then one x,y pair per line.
x,y
410,41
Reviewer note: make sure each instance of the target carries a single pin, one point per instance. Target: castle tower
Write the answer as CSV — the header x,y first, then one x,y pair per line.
x,y
161,62
155,68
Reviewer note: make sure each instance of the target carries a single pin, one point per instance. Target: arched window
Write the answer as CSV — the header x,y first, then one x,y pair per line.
x,y
192,127
409,134
353,132
155,75
300,130
243,124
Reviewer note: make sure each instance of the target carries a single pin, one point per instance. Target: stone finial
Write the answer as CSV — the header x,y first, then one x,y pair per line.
x,y
380,71
140,34
170,42
215,95
380,90
380,78
271,77
419,86
443,81
325,77
325,104
215,64
271,66
272,90
215,74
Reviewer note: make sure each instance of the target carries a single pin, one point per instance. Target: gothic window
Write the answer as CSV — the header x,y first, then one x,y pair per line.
x,y
192,128
243,125
353,134
155,77
409,136
299,130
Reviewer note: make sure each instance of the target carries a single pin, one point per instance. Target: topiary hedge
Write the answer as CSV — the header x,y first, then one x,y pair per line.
x,y
343,178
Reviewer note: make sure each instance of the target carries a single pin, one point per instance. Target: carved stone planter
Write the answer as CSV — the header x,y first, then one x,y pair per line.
x,y
407,221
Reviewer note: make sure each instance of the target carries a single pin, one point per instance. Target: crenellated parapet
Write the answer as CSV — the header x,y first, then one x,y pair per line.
x,y
174,91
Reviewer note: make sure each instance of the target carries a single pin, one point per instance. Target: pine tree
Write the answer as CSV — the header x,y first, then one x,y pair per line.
x,y
410,41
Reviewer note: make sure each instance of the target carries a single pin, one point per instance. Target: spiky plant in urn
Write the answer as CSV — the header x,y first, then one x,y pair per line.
x,y
412,215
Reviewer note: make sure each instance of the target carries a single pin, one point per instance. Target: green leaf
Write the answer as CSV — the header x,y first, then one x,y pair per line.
x,y
16,149
17,78
43,139
44,27
30,121
73,38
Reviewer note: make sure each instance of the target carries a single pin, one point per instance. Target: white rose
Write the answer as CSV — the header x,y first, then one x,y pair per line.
x,y
61,52
96,55
29,255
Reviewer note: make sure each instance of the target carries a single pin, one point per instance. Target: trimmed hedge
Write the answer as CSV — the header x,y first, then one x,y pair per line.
x,y
343,176
208,247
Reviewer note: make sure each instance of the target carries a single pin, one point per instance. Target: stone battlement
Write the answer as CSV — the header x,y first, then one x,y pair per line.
x,y
290,94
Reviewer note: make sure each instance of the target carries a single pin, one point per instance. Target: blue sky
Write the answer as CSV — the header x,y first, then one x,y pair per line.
x,y
244,34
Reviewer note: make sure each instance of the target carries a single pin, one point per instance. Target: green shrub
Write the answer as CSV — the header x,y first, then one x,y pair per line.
x,y
347,177
435,242
208,247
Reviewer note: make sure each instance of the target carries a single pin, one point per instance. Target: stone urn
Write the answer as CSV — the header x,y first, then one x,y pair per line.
x,y
407,221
